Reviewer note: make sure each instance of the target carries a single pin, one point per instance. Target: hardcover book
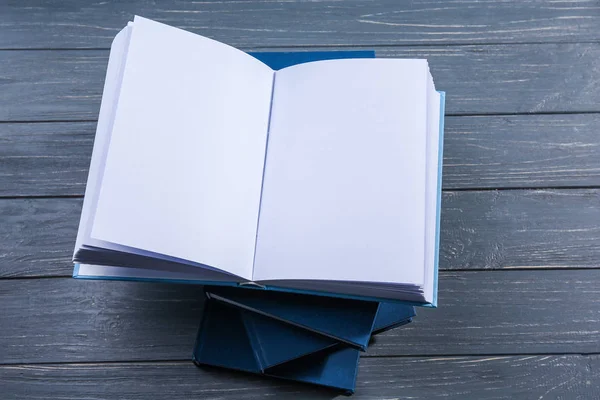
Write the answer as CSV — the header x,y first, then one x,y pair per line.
x,y
210,166
291,336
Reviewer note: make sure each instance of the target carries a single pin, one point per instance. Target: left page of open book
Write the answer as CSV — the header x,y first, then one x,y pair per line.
x,y
183,170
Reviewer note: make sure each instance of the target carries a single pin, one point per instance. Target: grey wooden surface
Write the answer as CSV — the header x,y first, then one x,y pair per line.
x,y
497,377
478,79
519,313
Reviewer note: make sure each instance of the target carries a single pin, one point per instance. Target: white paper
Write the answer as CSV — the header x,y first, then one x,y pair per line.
x,y
199,275
110,95
431,196
184,167
344,186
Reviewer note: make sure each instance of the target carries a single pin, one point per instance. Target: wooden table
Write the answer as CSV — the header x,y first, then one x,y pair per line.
x,y
519,313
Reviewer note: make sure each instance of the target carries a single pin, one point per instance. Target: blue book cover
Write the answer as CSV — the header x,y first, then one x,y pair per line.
x,y
223,341
346,320
244,335
275,343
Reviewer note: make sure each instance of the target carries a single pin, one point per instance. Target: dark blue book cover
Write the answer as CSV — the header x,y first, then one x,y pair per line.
x,y
225,341
345,320
237,336
277,338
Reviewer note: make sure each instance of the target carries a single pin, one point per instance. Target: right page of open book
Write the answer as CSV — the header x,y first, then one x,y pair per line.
x,y
344,186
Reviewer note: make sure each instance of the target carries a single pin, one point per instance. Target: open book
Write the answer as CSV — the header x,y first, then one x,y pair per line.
x,y
209,166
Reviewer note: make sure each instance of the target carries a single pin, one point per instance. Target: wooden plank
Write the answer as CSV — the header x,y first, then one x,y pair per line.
x,y
45,159
504,312
480,230
37,236
283,23
520,229
481,312
70,320
522,151
52,85
67,85
516,377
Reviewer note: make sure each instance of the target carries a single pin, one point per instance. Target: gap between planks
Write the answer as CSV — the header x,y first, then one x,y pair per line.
x,y
334,46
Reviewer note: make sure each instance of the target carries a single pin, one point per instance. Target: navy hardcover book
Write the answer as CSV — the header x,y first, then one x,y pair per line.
x,y
258,332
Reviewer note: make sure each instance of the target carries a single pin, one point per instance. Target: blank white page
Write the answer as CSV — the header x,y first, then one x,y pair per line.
x,y
110,94
184,167
344,186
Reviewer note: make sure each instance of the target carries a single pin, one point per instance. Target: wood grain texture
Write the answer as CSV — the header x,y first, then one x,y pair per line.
x,y
480,230
72,320
482,312
37,236
51,85
67,85
520,229
504,312
522,151
48,159
44,159
72,23
524,377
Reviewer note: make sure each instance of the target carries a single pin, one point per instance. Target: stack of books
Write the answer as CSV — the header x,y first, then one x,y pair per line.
x,y
301,189
297,337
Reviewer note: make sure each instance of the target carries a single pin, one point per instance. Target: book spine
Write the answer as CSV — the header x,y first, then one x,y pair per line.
x,y
264,168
